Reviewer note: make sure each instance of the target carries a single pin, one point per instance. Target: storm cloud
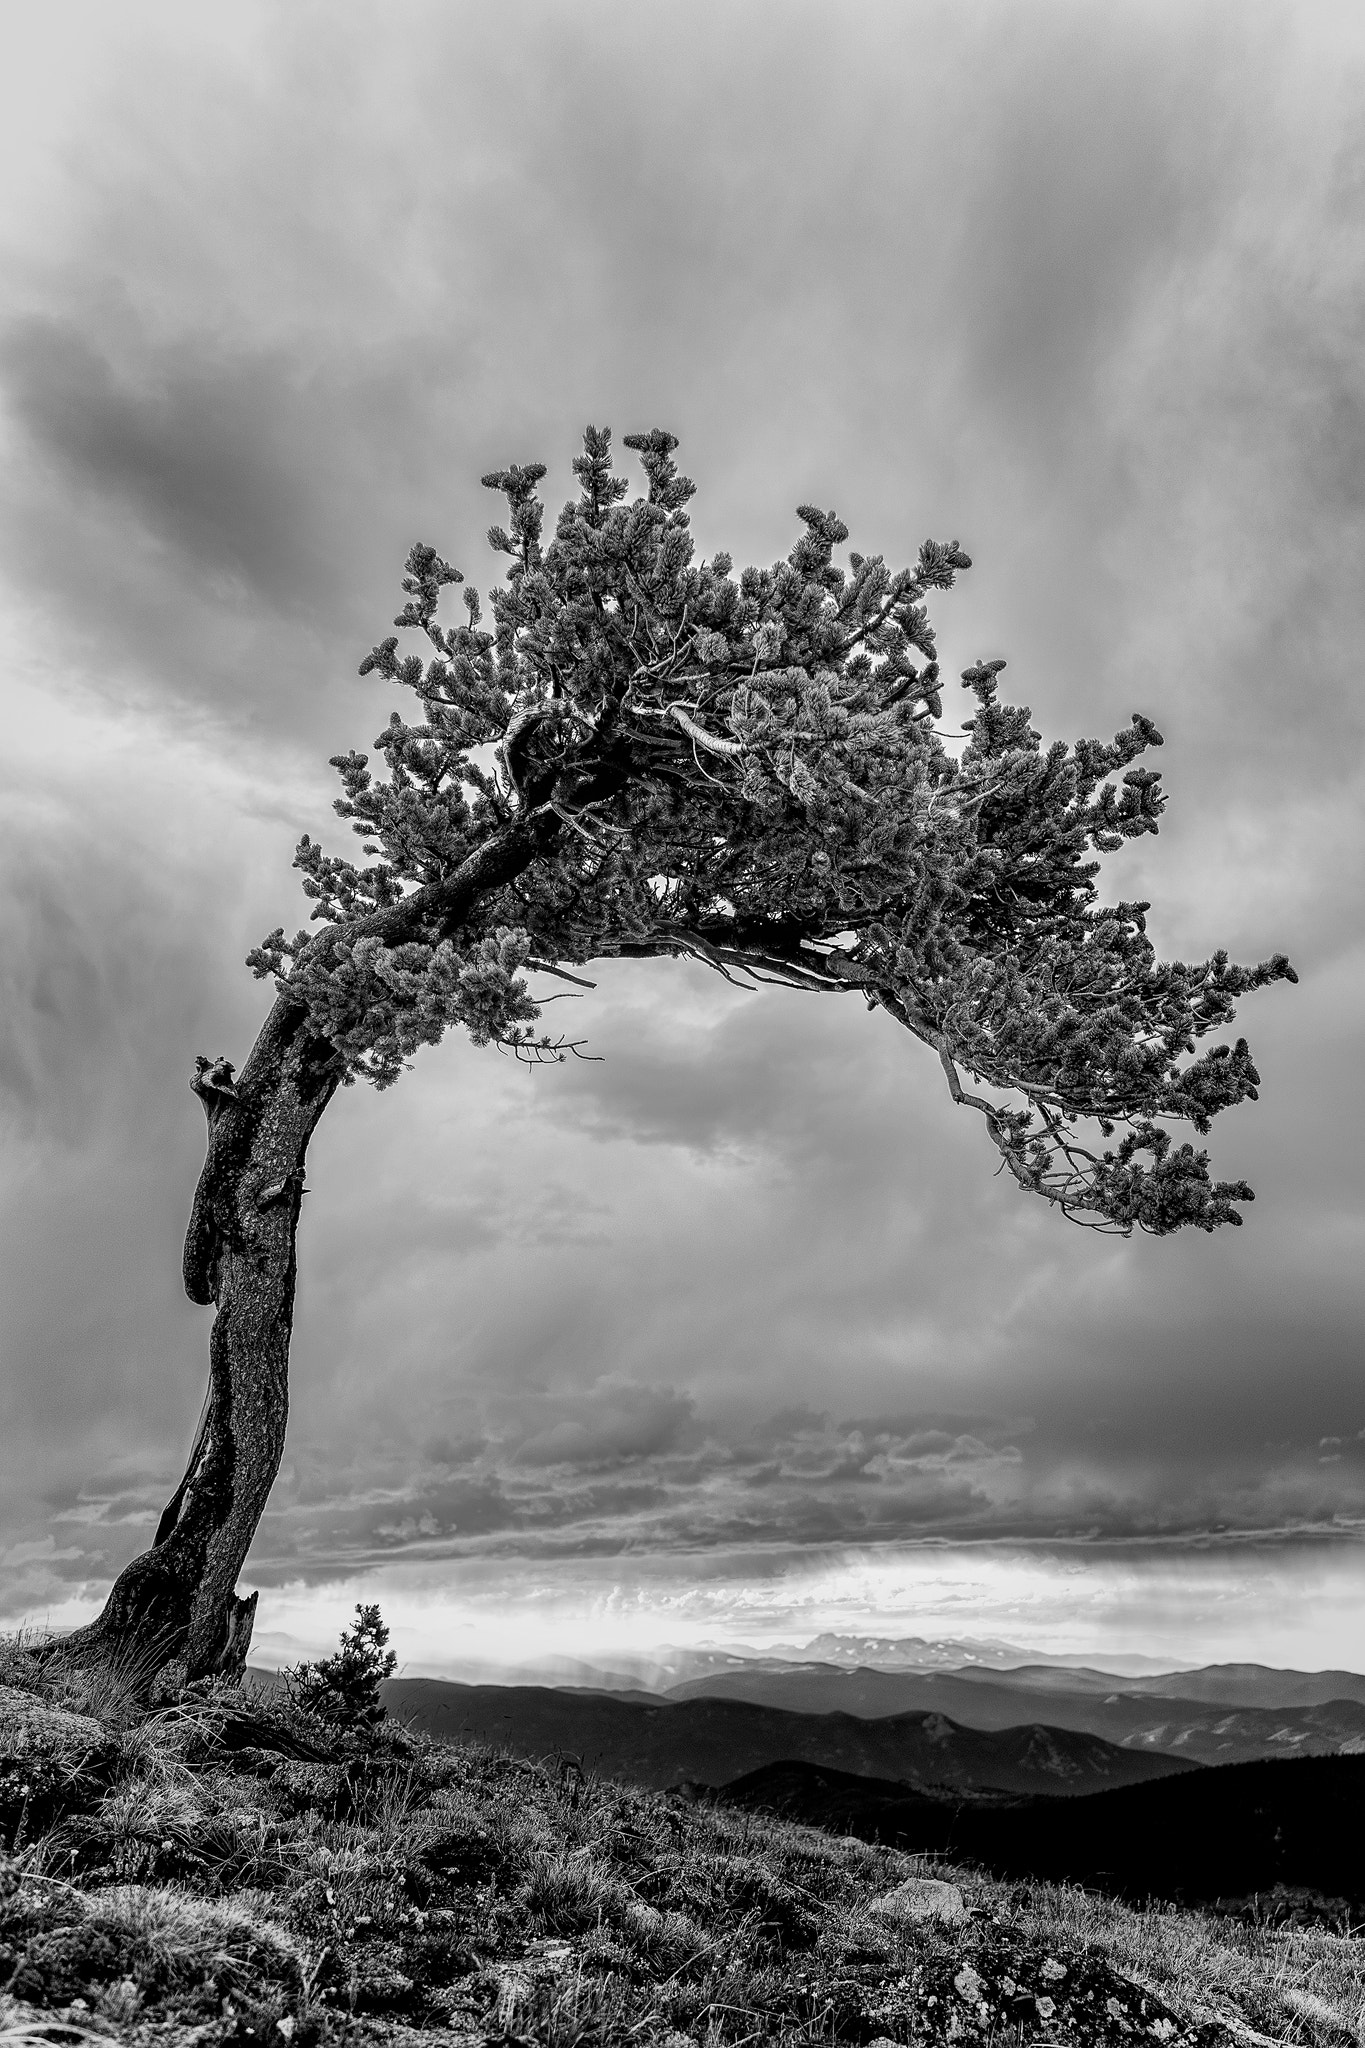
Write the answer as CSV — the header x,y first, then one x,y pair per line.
x,y
1082,288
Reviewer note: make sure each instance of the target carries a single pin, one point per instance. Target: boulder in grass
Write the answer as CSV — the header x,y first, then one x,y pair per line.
x,y
922,1898
49,1760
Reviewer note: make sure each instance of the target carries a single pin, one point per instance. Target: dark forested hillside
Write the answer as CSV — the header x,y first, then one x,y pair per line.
x,y
713,1740
1202,1837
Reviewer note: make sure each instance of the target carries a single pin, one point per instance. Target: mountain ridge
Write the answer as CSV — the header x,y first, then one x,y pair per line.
x,y
662,1742
1209,1732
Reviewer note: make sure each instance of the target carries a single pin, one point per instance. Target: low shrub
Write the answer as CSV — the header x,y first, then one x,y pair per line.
x,y
344,1688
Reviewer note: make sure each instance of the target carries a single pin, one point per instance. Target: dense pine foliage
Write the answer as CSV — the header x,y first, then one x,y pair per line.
x,y
344,1689
646,754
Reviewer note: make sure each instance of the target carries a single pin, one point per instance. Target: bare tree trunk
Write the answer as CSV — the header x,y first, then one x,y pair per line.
x,y
173,1613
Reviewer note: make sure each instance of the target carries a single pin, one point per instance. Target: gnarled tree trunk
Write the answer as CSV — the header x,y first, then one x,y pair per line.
x,y
173,1613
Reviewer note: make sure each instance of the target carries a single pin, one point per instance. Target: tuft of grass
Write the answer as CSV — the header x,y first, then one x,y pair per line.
x,y
226,1869
1297,1984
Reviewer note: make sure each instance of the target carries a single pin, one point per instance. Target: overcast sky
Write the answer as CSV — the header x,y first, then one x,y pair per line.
x,y
733,1335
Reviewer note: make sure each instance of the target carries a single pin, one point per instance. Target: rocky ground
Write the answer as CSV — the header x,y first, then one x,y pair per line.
x,y
228,1869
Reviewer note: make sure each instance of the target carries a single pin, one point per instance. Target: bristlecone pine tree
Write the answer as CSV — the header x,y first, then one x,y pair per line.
x,y
647,755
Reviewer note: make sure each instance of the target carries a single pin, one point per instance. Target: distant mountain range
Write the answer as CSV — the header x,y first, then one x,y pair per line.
x,y
658,1743
955,1653
1023,1728
677,1672
1242,1685
1229,1714
677,1665
1222,1835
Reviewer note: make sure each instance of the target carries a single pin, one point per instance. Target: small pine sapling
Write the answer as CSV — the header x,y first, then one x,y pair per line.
x,y
344,1688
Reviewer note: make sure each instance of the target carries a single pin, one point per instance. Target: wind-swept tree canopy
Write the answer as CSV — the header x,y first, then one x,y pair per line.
x,y
646,754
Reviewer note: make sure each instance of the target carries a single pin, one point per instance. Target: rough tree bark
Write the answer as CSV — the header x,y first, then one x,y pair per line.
x,y
173,1614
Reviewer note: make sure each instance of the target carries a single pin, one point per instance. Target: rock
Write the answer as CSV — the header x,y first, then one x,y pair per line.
x,y
49,1759
554,1955
385,1991
968,1985
921,1898
29,1725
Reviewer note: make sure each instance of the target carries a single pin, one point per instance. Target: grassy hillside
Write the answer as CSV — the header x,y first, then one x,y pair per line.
x,y
225,1870
1292,1827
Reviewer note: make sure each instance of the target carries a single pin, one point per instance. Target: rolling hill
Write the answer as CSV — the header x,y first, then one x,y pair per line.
x,y
1224,1834
714,1740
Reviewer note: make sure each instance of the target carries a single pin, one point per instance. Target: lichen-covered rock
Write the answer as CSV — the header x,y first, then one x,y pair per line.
x,y
922,1898
1008,1989
50,1761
